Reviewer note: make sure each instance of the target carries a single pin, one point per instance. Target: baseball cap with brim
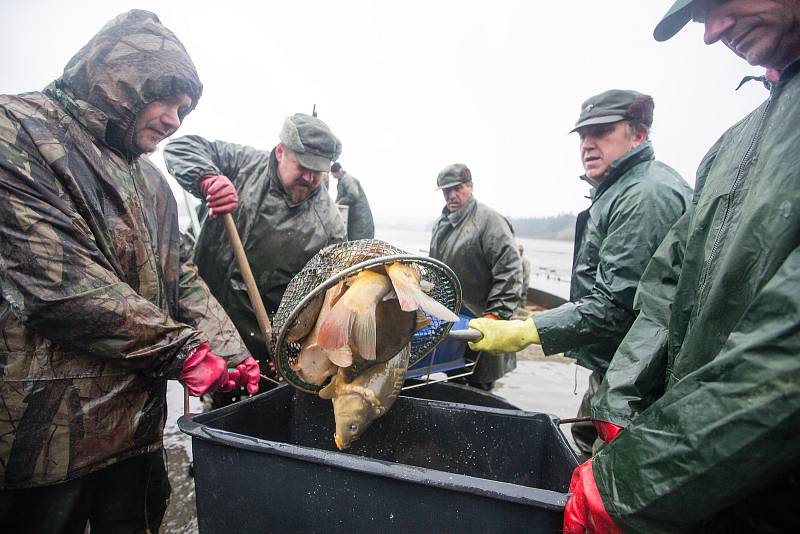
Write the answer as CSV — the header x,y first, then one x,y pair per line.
x,y
676,18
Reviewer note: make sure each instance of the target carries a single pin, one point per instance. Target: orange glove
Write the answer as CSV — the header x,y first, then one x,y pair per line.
x,y
247,374
585,511
203,372
220,194
490,316
608,432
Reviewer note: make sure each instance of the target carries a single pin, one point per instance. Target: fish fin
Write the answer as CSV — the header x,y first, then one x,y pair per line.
x,y
342,357
335,328
391,295
364,333
338,292
422,322
329,391
434,307
405,288
426,286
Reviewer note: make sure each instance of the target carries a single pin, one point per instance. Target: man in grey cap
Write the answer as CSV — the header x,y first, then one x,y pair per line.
x,y
284,217
350,193
707,382
478,244
635,200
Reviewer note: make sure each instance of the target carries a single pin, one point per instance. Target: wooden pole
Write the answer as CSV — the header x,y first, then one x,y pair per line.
x,y
249,281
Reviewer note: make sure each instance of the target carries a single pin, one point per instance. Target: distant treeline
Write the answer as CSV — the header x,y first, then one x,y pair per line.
x,y
556,227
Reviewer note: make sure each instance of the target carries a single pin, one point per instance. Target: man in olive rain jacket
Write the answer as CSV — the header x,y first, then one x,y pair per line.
x,y
97,309
284,216
478,244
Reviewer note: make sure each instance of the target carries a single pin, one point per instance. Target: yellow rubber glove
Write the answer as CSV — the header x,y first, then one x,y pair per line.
x,y
504,336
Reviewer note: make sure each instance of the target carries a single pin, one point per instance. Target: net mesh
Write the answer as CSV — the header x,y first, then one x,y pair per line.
x,y
343,260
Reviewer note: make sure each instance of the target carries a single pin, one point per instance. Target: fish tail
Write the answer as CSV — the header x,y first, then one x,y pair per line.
x,y
364,333
335,328
434,307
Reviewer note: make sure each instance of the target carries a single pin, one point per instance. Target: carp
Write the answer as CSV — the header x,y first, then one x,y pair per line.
x,y
351,322
356,404
314,364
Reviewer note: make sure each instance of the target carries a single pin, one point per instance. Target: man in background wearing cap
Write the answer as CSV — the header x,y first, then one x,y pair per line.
x,y
707,382
349,193
635,200
283,216
478,244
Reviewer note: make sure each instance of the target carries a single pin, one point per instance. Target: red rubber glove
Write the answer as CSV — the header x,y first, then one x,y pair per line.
x,y
220,194
585,511
489,316
608,432
203,372
247,374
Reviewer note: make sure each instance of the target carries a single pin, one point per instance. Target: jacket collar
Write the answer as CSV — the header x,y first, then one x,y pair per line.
x,y
619,167
457,217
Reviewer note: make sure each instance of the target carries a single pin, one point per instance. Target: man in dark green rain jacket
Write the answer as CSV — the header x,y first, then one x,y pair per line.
x,y
283,217
707,382
98,308
635,200
478,244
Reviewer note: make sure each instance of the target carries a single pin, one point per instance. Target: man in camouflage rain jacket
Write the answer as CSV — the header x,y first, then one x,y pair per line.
x,y
97,309
283,216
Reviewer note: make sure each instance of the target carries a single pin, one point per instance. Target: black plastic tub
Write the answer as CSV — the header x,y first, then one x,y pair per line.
x,y
269,464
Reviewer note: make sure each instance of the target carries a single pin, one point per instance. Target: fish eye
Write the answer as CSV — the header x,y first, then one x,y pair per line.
x,y
353,427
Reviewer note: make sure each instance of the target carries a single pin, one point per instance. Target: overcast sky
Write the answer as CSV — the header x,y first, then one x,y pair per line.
x,y
410,87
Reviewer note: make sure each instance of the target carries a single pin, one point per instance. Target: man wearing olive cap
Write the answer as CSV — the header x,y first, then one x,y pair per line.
x,y
284,217
635,200
707,382
478,244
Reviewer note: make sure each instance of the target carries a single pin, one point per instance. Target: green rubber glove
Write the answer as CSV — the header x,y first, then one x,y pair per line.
x,y
504,336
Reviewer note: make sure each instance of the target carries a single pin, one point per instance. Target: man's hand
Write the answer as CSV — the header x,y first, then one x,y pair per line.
x,y
608,432
247,374
504,336
220,194
585,511
204,372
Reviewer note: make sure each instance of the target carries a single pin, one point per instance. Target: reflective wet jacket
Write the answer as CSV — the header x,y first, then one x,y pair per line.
x,y
359,216
707,381
279,237
96,308
631,212
478,244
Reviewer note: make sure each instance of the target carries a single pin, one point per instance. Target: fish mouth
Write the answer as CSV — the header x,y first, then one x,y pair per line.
x,y
339,443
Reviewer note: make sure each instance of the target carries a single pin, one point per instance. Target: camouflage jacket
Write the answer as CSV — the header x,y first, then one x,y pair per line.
x,y
359,216
97,310
279,236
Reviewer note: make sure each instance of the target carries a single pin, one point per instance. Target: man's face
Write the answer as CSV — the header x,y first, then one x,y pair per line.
x,y
298,181
158,120
762,32
602,144
457,196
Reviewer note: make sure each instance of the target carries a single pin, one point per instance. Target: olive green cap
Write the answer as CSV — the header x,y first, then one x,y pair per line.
x,y
452,175
614,106
311,141
676,18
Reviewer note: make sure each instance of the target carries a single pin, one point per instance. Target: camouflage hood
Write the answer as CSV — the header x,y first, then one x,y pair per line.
x,y
132,61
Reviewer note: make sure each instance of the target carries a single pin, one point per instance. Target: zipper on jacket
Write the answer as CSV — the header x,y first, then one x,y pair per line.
x,y
731,193
153,251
